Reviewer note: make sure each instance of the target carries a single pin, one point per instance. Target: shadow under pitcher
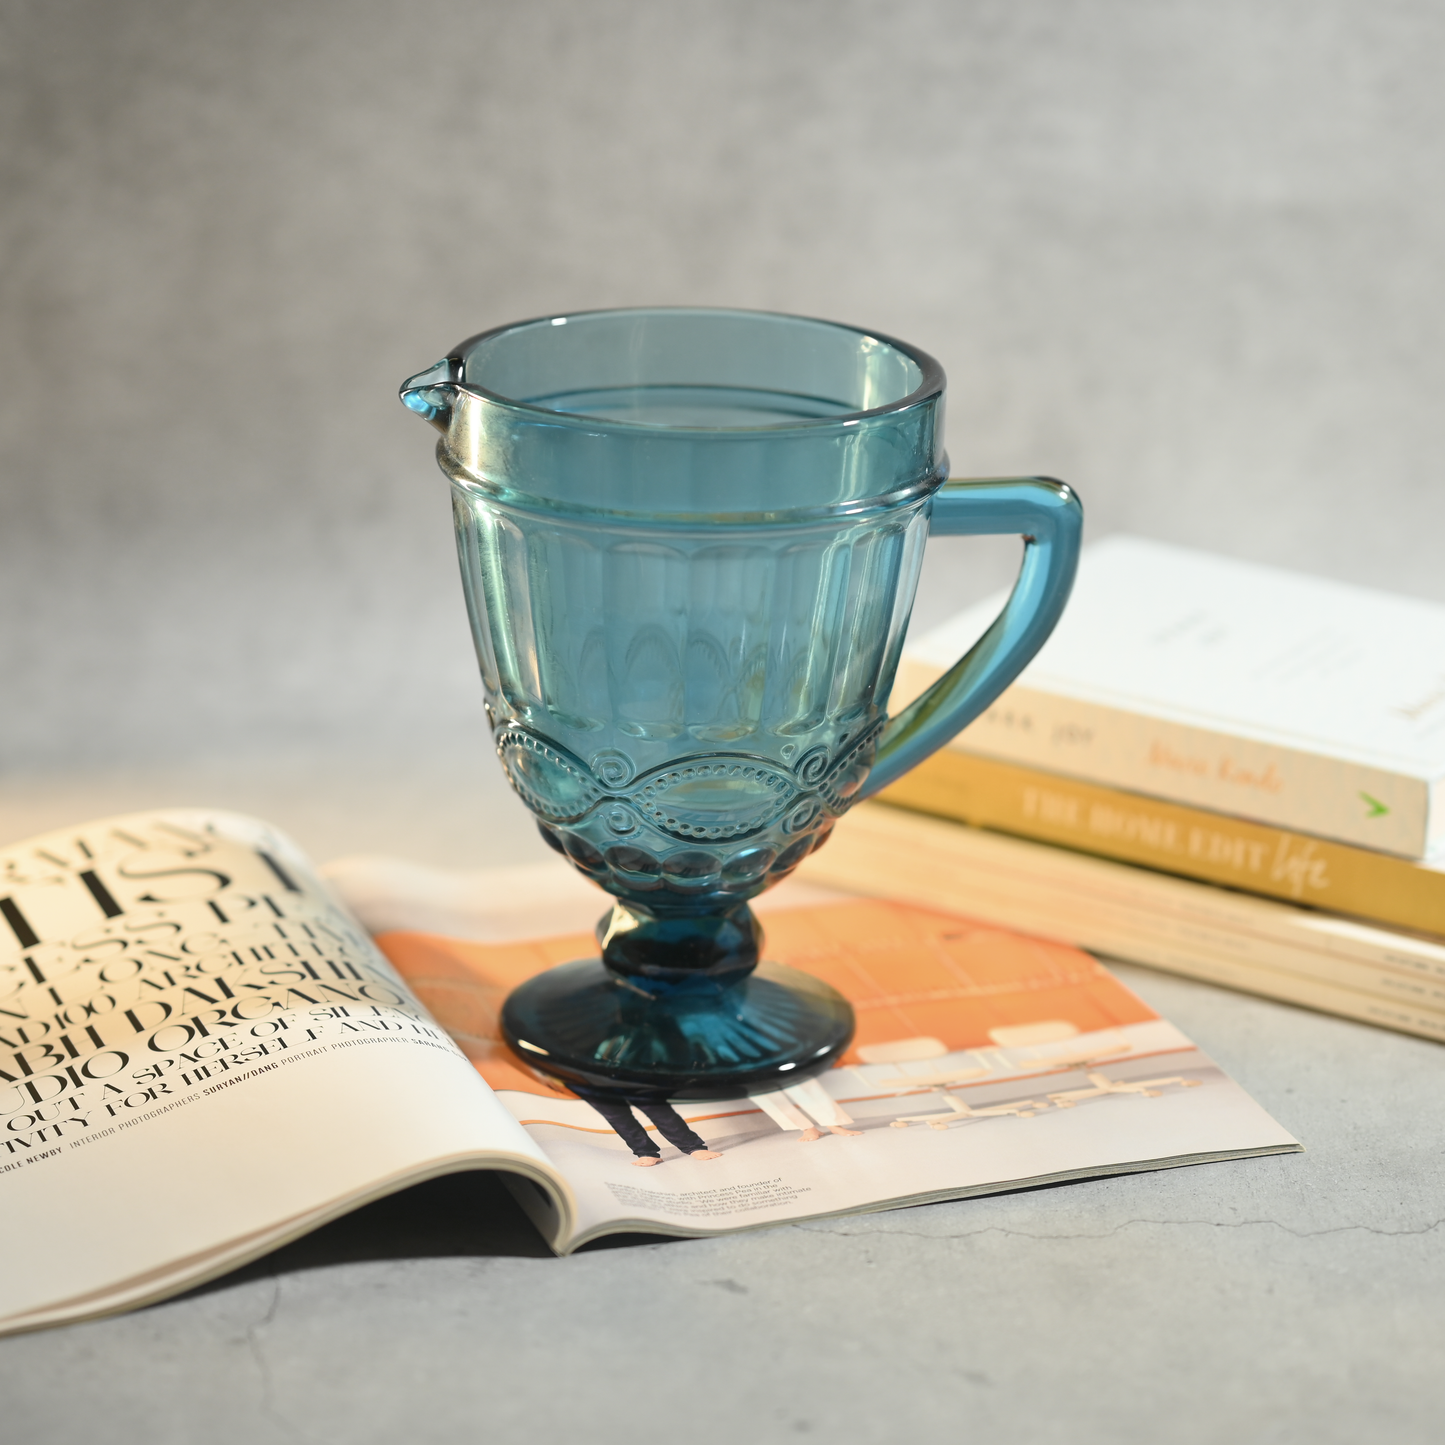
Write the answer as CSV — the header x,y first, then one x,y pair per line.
x,y
689,545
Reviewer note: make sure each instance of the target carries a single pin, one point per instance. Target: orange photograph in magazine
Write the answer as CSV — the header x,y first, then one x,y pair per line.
x,y
983,1060
911,974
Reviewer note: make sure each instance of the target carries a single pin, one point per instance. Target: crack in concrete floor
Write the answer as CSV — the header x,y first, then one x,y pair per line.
x,y
256,1345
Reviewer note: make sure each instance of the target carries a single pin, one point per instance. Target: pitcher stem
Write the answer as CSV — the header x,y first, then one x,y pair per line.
x,y
666,951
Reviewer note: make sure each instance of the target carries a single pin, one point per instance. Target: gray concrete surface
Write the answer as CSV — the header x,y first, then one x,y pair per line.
x,y
1184,254
1294,1298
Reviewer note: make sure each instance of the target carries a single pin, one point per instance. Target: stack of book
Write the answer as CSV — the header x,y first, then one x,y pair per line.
x,y
1213,767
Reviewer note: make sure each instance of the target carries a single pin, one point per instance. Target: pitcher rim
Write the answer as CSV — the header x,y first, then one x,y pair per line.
x,y
931,387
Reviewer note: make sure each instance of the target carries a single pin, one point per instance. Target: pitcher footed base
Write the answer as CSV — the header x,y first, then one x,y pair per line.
x,y
601,1031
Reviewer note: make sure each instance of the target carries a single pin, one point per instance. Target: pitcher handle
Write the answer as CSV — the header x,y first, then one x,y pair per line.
x,y
1049,516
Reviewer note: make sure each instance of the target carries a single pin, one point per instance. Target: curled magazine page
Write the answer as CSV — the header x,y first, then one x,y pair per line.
x,y
984,1060
203,1055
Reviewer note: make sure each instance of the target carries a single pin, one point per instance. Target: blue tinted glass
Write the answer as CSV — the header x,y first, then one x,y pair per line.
x,y
689,544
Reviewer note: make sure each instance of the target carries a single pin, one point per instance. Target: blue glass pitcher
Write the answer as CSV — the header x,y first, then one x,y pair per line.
x,y
689,545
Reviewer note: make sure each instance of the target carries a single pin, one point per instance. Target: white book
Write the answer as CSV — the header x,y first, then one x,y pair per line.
x,y
1289,700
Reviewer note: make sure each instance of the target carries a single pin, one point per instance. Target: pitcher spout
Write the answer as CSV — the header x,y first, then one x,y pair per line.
x,y
430,393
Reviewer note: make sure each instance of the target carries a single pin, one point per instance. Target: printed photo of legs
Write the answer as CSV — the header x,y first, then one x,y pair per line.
x,y
618,1112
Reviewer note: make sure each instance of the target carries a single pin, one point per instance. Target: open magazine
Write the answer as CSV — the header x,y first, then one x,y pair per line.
x,y
203,1054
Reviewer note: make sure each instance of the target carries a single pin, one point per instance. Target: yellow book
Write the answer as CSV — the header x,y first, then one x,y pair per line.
x,y
1173,838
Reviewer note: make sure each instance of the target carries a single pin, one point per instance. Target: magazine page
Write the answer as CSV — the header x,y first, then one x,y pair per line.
x,y
194,1032
984,1060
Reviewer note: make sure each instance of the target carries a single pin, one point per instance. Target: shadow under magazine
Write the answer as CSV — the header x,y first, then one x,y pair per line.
x,y
467,1215
460,1216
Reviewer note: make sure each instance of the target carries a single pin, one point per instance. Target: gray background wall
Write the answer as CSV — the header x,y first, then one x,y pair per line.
x,y
1185,255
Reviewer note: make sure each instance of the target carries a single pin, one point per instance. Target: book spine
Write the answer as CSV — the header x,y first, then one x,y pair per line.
x,y
950,852
1084,916
1277,931
1329,985
867,859
1265,782
1190,842
1270,983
